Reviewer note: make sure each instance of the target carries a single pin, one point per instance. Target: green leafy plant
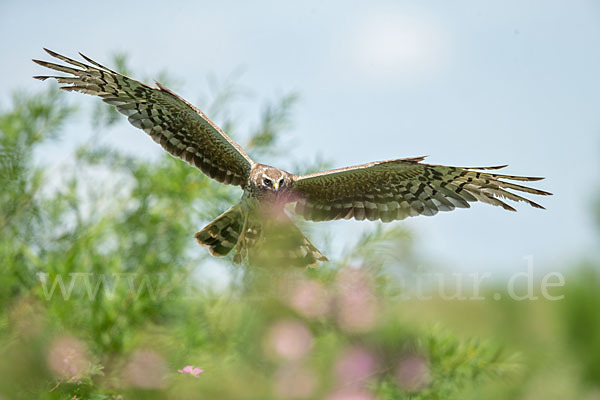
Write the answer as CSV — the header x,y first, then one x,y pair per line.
x,y
104,293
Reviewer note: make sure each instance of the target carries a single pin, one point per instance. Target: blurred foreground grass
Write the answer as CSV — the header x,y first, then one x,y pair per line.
x,y
100,300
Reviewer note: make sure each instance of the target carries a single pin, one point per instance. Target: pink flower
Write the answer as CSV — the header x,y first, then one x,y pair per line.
x,y
355,367
309,298
190,370
357,308
288,339
68,358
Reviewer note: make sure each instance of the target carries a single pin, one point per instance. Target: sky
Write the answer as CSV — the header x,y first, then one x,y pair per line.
x,y
466,82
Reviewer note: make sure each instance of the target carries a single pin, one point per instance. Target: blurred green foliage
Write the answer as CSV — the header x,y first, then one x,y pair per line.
x,y
101,299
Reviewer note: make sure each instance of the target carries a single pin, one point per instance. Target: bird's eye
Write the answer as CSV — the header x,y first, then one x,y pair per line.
x,y
267,182
281,182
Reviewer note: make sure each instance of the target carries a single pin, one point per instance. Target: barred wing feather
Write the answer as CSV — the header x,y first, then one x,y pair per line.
x,y
179,127
396,189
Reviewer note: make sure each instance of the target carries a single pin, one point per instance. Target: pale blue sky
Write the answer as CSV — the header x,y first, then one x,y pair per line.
x,y
466,82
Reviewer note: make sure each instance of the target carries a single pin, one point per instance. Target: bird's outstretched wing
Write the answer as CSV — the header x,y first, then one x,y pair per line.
x,y
396,189
180,128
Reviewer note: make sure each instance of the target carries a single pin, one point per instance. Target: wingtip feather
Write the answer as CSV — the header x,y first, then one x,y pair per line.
x,y
97,64
52,53
494,167
507,207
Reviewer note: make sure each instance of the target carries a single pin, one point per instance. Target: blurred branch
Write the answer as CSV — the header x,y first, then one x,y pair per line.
x,y
30,121
221,96
382,246
275,119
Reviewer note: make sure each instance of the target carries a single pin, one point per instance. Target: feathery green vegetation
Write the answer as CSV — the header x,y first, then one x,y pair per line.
x,y
103,294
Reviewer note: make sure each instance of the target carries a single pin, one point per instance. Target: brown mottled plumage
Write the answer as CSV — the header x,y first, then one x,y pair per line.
x,y
258,227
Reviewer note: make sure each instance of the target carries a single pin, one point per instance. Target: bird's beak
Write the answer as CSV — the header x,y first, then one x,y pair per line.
x,y
276,186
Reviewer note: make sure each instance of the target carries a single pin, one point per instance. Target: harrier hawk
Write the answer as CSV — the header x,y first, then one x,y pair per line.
x,y
257,227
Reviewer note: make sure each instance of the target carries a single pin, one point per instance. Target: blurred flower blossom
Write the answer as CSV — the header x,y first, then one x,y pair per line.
x,y
68,357
354,367
309,299
146,369
295,382
412,373
350,395
190,370
288,339
356,302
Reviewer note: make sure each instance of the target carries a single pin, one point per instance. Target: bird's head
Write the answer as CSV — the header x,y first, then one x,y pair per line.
x,y
267,179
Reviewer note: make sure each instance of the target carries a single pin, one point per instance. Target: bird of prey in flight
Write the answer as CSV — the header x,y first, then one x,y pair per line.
x,y
257,228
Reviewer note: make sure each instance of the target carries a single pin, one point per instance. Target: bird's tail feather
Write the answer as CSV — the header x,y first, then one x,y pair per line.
x,y
267,242
221,235
283,244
